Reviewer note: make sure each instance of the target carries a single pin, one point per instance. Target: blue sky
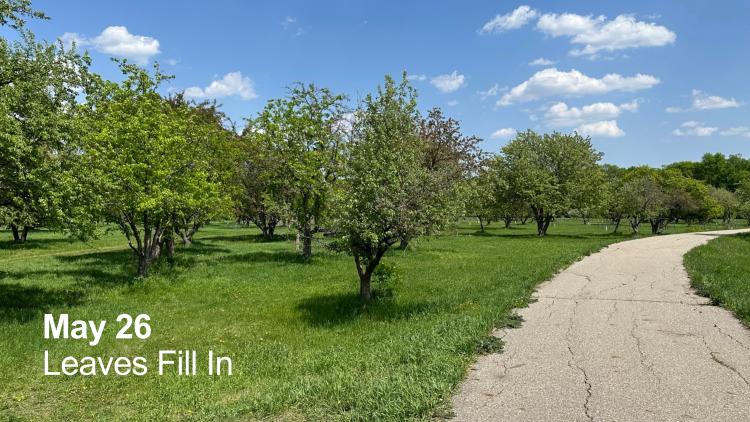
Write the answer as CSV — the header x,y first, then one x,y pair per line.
x,y
651,82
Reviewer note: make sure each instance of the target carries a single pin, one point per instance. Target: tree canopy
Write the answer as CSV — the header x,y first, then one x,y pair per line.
x,y
552,173
39,83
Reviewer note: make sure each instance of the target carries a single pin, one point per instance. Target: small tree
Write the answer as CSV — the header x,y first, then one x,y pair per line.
x,y
209,145
301,133
383,199
138,155
479,199
687,199
642,196
728,202
614,205
507,204
261,196
451,159
552,173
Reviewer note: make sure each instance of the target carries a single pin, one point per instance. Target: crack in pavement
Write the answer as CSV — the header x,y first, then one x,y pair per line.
x,y
743,345
573,365
583,287
638,344
612,313
722,363
552,303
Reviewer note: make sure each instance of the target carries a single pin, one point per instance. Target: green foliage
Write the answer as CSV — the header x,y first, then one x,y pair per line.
x,y
210,145
716,170
727,201
386,279
39,134
301,136
506,203
142,163
15,12
385,195
664,196
262,194
552,173
451,160
479,197
743,198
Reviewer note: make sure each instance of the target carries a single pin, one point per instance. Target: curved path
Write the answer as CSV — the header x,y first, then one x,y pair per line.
x,y
618,336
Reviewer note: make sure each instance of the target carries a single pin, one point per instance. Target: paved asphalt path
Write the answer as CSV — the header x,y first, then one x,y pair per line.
x,y
618,336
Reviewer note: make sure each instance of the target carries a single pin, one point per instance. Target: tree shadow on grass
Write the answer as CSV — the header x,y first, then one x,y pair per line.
x,y
341,308
248,238
20,303
32,243
287,257
119,267
509,235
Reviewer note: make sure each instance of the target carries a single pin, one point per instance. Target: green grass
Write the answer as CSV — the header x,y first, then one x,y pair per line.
x,y
720,270
304,346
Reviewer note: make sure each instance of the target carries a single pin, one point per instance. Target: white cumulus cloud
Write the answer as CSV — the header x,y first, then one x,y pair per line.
x,y
693,128
551,82
562,115
605,129
232,84
117,41
597,34
504,133
567,24
703,101
513,20
449,83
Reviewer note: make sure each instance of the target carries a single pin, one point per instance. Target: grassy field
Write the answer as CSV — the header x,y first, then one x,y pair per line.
x,y
720,270
304,347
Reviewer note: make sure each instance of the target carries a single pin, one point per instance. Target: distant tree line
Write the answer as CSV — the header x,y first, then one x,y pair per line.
x,y
79,153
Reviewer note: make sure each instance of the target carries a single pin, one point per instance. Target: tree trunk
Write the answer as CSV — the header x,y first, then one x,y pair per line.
x,y
539,218
365,274
617,224
169,244
403,244
185,239
481,223
25,233
540,227
268,232
365,291
143,264
307,243
658,225
14,230
635,224
542,222
507,220
547,221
